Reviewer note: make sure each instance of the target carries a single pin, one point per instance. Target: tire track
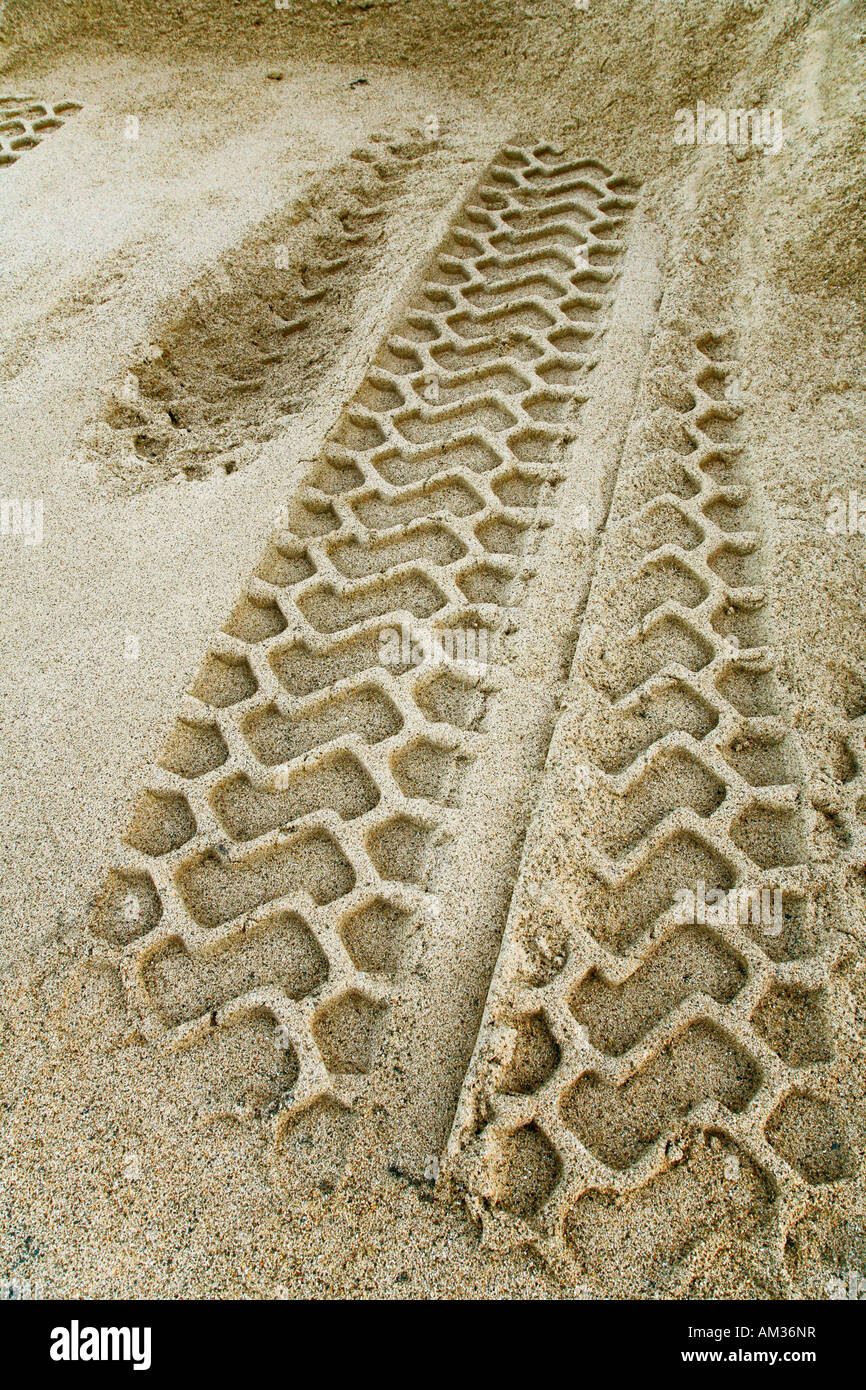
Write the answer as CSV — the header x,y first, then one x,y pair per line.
x,y
315,770
246,348
618,1024
25,122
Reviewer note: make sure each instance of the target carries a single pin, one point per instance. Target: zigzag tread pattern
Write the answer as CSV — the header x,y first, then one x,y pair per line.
x,y
619,1026
25,122
275,861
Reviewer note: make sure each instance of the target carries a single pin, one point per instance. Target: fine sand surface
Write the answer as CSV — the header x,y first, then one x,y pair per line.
x,y
434,518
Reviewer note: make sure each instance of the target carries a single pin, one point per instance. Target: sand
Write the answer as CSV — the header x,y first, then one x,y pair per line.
x,y
434,514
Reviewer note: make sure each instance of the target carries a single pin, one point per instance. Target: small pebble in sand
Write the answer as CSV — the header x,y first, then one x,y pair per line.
x,y
131,1167
274,75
